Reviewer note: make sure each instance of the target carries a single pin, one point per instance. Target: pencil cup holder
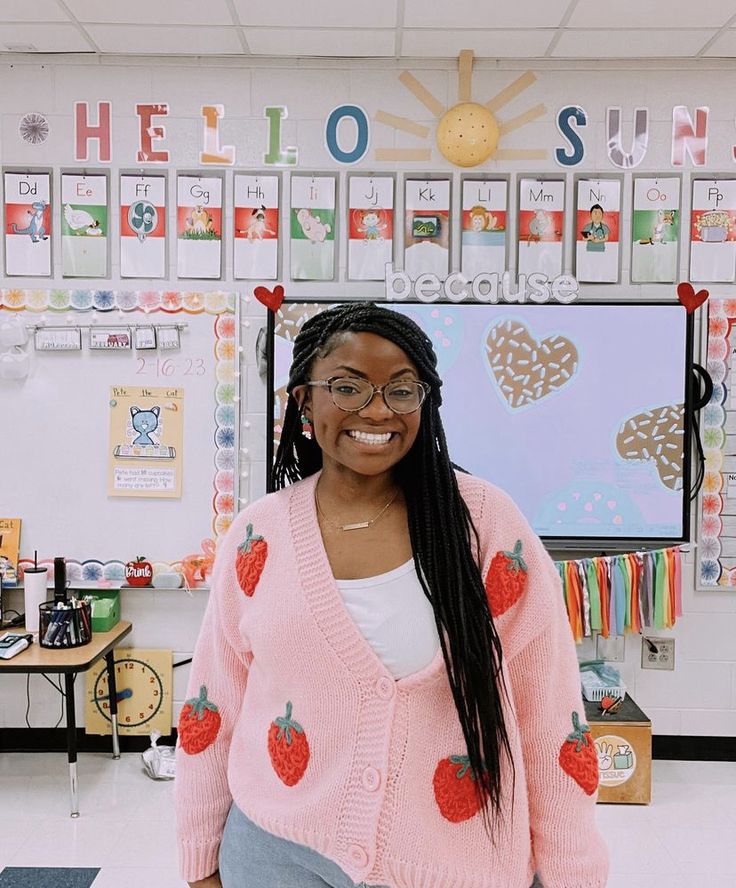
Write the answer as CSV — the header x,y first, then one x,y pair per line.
x,y
66,626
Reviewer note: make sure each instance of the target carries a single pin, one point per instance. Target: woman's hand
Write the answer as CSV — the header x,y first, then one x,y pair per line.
x,y
212,881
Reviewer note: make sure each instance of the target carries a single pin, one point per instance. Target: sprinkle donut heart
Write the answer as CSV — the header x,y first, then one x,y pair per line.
x,y
272,299
689,298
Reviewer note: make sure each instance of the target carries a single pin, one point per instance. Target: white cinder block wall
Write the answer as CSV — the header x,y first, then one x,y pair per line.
x,y
699,697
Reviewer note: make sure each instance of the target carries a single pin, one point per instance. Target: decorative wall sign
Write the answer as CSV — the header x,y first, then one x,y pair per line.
x,y
541,223
370,226
144,338
256,228
655,230
143,226
84,226
427,227
485,206
597,230
313,201
713,230
199,226
109,340
28,224
33,128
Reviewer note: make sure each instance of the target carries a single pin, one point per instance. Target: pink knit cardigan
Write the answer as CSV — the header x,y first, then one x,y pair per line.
x,y
291,715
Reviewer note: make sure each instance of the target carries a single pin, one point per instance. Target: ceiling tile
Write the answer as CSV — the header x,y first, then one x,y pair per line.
x,y
485,44
610,44
657,14
144,12
45,38
167,41
20,11
724,46
471,14
317,13
320,42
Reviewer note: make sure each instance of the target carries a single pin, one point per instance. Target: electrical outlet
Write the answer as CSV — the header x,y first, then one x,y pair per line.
x,y
611,649
657,653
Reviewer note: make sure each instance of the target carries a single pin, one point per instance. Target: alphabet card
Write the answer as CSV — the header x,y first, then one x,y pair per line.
x,y
143,226
146,434
427,227
28,224
655,230
483,238
713,230
313,200
256,235
199,226
597,230
541,223
84,226
370,227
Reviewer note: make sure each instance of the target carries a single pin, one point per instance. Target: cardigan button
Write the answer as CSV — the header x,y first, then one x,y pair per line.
x,y
358,856
385,688
371,779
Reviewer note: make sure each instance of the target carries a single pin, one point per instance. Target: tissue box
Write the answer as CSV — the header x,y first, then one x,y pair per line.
x,y
105,609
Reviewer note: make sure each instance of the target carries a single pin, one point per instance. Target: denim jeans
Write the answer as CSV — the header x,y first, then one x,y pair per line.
x,y
251,857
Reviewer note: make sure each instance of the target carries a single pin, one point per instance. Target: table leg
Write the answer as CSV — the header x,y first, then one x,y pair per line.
x,y
112,688
71,741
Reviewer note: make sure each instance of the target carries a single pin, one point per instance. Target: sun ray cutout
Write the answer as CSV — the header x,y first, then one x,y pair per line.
x,y
468,133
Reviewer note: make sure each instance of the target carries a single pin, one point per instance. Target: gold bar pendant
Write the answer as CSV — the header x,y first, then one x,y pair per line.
x,y
361,526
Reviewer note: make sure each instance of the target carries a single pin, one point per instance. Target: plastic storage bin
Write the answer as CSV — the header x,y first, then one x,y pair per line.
x,y
105,609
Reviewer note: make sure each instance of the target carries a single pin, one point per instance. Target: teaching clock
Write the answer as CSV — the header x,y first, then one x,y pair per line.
x,y
143,685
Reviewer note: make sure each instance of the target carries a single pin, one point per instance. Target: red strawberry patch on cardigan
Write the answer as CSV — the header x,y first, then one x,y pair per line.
x,y
578,757
288,748
506,580
454,789
199,723
250,560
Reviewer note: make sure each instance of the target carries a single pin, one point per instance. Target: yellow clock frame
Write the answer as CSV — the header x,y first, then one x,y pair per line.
x,y
143,680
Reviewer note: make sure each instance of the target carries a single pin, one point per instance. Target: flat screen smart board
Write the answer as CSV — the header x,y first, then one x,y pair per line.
x,y
580,412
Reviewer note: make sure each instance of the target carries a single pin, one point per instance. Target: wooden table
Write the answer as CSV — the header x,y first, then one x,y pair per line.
x,y
69,662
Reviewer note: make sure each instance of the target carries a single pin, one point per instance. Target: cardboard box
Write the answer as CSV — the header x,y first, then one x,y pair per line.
x,y
624,746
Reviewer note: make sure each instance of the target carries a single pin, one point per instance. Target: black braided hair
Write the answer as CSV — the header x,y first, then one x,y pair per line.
x,y
446,554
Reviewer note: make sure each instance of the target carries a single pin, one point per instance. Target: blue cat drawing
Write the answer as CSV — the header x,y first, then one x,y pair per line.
x,y
36,228
144,422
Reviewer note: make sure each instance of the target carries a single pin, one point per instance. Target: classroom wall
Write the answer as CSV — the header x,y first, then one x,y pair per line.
x,y
700,696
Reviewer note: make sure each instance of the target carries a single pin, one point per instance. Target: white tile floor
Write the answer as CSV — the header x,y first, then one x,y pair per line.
x,y
684,839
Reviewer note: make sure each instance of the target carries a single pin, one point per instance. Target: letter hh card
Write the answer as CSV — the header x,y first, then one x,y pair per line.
x,y
313,200
655,230
427,227
370,227
84,225
199,227
713,231
485,203
143,226
541,221
597,230
28,224
256,228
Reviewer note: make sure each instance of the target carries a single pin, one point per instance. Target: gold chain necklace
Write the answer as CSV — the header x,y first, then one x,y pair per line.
x,y
360,525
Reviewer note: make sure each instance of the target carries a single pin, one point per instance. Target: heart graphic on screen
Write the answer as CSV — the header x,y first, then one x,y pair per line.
x,y
527,369
656,435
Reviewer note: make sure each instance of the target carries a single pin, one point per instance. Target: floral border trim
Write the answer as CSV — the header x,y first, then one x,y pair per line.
x,y
711,572
217,303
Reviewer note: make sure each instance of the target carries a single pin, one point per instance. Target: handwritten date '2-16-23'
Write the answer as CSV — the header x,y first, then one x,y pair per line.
x,y
167,367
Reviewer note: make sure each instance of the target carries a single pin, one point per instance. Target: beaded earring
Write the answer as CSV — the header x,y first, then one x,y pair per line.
x,y
306,428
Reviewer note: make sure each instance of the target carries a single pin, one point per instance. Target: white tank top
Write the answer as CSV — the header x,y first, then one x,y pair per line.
x,y
393,613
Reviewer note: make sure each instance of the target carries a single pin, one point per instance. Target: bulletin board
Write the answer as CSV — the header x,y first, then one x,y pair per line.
x,y
716,550
57,465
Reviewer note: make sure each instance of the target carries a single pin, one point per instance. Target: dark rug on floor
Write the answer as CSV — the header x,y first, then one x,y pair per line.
x,y
47,877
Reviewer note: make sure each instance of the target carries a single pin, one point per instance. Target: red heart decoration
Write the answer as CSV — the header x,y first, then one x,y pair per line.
x,y
689,298
272,299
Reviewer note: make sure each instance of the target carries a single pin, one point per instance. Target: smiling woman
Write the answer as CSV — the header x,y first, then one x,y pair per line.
x,y
406,651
